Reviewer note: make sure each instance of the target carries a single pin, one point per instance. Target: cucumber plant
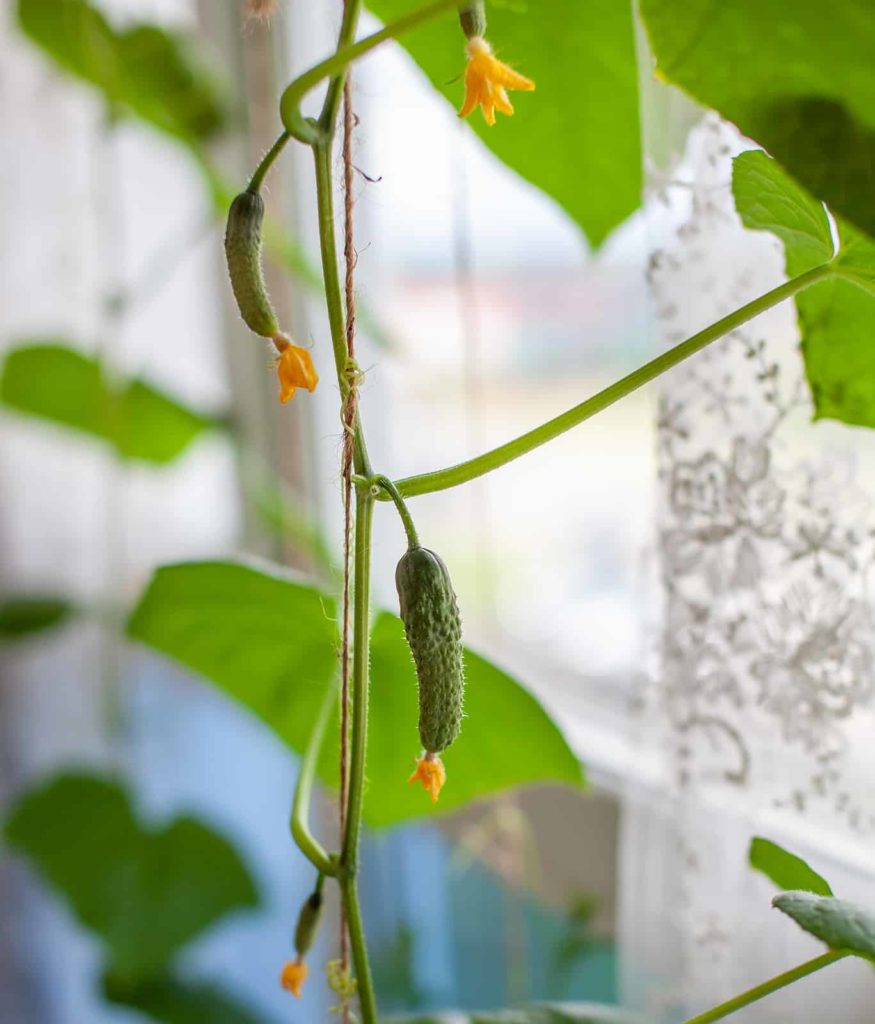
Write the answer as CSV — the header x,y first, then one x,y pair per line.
x,y
586,156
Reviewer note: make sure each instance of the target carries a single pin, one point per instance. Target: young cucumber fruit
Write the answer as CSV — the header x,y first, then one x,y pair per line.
x,y
243,253
434,632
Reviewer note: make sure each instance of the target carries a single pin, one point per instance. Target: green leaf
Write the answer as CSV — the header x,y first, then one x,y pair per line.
x,y
797,78
269,641
57,383
21,616
583,1013
842,925
767,199
587,1013
145,892
173,1001
837,316
507,738
145,71
567,1014
785,869
577,137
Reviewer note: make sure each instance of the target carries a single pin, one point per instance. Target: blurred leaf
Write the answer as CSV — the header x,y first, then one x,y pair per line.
x,y
578,136
57,383
785,869
797,78
145,70
269,641
837,316
172,1001
507,738
838,923
23,615
285,515
145,892
580,1013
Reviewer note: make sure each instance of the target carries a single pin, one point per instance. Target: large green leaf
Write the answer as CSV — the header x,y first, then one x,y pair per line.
x,y
839,923
269,641
57,383
785,869
173,1001
507,738
577,137
796,77
143,70
583,1013
145,892
837,316
21,616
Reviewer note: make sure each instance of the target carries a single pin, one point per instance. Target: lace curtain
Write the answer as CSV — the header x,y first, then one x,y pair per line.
x,y
762,706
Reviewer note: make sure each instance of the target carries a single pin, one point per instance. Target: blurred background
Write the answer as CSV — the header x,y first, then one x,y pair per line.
x,y
483,313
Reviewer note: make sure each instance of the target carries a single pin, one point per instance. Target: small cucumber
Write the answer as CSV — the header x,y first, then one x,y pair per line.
x,y
308,924
434,633
473,19
243,253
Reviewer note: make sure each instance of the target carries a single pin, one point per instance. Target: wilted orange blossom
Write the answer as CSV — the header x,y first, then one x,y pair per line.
x,y
293,976
294,368
431,773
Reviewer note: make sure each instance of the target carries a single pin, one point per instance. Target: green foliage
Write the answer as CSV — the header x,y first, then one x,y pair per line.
x,y
797,78
21,616
785,869
836,317
142,70
57,383
767,199
577,138
144,892
842,925
172,1001
587,1013
269,641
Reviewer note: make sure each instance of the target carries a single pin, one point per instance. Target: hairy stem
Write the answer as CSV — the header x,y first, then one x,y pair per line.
x,y
255,182
333,294
385,484
349,856
767,987
442,479
307,843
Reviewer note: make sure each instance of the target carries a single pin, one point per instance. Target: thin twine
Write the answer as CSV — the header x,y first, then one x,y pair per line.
x,y
348,415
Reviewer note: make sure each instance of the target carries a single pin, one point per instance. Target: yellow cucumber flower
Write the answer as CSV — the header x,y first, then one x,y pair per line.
x,y
431,773
293,976
294,368
487,80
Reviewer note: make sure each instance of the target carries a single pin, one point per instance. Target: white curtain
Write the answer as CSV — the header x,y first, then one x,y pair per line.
x,y
761,709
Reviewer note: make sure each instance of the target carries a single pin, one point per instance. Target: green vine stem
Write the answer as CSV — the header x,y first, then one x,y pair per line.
x,y
767,987
383,483
331,277
442,479
349,856
307,843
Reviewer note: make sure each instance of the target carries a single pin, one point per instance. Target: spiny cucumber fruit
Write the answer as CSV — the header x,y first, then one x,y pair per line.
x,y
434,632
243,253
473,19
